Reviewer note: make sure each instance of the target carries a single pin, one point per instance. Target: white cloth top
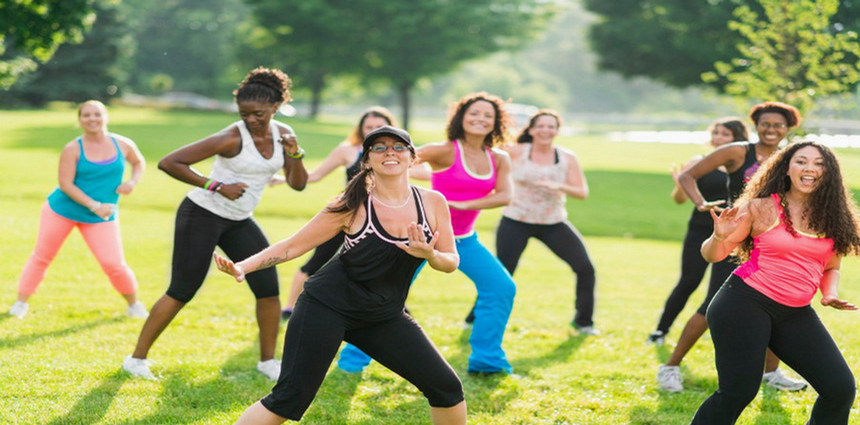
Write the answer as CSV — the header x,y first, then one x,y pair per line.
x,y
247,167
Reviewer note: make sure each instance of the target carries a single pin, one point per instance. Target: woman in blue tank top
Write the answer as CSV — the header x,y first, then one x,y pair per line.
x,y
90,182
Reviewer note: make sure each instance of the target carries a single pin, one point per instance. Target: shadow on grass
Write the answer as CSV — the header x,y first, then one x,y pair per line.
x,y
92,407
334,399
37,337
771,410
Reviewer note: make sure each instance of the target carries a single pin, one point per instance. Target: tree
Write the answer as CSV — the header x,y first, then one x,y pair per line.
x,y
675,41
404,42
32,31
94,69
790,55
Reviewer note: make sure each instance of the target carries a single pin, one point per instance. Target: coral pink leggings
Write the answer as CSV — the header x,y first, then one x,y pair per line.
x,y
102,238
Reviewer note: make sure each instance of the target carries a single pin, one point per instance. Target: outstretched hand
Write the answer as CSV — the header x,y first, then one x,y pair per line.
x,y
727,221
225,265
837,303
418,246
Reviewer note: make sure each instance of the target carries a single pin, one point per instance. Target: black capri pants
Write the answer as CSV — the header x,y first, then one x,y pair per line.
x,y
198,231
744,322
564,241
313,336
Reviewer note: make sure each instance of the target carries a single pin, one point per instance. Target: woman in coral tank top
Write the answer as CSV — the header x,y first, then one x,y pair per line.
x,y
473,176
793,224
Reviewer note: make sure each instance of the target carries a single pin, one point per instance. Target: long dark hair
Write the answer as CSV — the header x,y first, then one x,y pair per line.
x,y
831,210
525,137
500,125
356,137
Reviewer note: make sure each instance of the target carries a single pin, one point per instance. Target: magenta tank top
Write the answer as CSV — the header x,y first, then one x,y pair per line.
x,y
458,183
784,267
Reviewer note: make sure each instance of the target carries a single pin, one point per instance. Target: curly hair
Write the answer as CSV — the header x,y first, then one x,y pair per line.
x,y
791,114
458,111
734,125
356,137
831,210
525,137
264,85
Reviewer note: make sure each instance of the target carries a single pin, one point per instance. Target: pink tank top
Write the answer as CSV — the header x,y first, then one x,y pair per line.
x,y
784,267
458,183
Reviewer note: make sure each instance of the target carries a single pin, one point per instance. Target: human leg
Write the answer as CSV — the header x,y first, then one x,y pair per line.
x,y
53,231
496,291
105,242
693,268
740,329
566,243
511,239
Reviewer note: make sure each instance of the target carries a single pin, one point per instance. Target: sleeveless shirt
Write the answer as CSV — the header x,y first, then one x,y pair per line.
x,y
713,186
739,178
354,168
458,183
248,167
98,180
369,279
535,204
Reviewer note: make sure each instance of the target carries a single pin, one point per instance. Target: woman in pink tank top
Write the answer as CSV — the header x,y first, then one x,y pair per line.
x,y
474,176
791,227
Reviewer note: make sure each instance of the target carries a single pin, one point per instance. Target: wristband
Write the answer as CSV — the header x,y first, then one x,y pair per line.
x,y
298,155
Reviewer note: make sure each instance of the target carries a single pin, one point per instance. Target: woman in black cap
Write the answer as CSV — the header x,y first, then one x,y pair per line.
x,y
391,228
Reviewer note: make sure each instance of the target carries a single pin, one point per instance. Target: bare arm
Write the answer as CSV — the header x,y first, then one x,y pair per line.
x,y
338,157
829,286
294,168
731,227
574,184
503,192
322,227
138,165
728,156
678,194
441,251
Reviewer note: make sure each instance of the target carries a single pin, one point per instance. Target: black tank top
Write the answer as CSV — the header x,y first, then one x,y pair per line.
x,y
353,169
369,279
713,186
739,178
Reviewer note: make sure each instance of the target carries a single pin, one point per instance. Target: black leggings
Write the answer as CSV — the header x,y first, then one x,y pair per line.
x,y
198,231
693,268
744,322
314,334
565,242
322,254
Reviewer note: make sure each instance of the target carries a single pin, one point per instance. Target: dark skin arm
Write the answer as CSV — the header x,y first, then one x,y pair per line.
x,y
294,169
226,142
730,156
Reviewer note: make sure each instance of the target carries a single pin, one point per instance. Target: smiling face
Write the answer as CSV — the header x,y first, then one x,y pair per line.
x,y
256,114
806,169
720,135
479,118
372,123
93,117
544,129
771,127
389,156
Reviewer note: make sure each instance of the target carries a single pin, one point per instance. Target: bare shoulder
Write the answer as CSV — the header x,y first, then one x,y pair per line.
x,y
569,154
124,141
430,196
762,212
283,128
437,148
501,157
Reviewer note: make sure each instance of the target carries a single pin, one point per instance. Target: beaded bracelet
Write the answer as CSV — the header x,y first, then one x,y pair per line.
x,y
298,155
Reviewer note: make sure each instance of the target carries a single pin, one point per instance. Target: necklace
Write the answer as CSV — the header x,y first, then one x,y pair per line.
x,y
392,206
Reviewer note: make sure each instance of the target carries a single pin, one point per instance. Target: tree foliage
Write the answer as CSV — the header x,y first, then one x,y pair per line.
x,y
31,31
675,41
789,54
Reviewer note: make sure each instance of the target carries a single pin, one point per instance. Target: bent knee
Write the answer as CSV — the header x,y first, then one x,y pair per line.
x,y
447,392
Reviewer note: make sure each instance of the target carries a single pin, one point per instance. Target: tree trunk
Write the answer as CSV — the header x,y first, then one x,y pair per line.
x,y
403,90
316,93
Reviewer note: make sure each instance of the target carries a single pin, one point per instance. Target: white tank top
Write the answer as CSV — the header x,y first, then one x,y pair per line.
x,y
535,204
247,167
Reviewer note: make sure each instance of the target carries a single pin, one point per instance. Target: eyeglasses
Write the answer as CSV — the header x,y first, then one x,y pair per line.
x,y
397,147
768,126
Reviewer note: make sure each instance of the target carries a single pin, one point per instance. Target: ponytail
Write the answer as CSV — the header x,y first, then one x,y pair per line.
x,y
355,194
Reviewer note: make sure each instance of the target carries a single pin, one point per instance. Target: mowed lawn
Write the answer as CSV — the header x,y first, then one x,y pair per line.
x,y
61,364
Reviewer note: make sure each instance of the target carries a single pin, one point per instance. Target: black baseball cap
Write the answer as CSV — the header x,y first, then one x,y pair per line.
x,y
387,130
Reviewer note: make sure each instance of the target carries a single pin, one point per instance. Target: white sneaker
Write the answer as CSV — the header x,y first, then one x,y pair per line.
x,y
137,311
778,380
669,378
657,338
19,309
587,330
137,367
271,368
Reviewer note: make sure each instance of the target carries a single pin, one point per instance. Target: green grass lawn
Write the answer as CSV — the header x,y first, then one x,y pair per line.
x,y
61,364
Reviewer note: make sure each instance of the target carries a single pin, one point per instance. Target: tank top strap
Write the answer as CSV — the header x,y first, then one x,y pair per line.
x,y
419,207
116,145
81,149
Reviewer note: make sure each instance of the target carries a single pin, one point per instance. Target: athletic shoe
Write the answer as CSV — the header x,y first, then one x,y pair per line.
x,y
137,311
586,330
137,367
19,309
286,313
669,378
778,380
271,368
657,338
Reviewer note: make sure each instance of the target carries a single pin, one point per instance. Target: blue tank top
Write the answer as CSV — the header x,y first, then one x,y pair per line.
x,y
98,180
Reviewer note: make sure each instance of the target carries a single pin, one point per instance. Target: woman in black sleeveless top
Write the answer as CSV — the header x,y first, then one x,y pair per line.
x,y
772,120
391,229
